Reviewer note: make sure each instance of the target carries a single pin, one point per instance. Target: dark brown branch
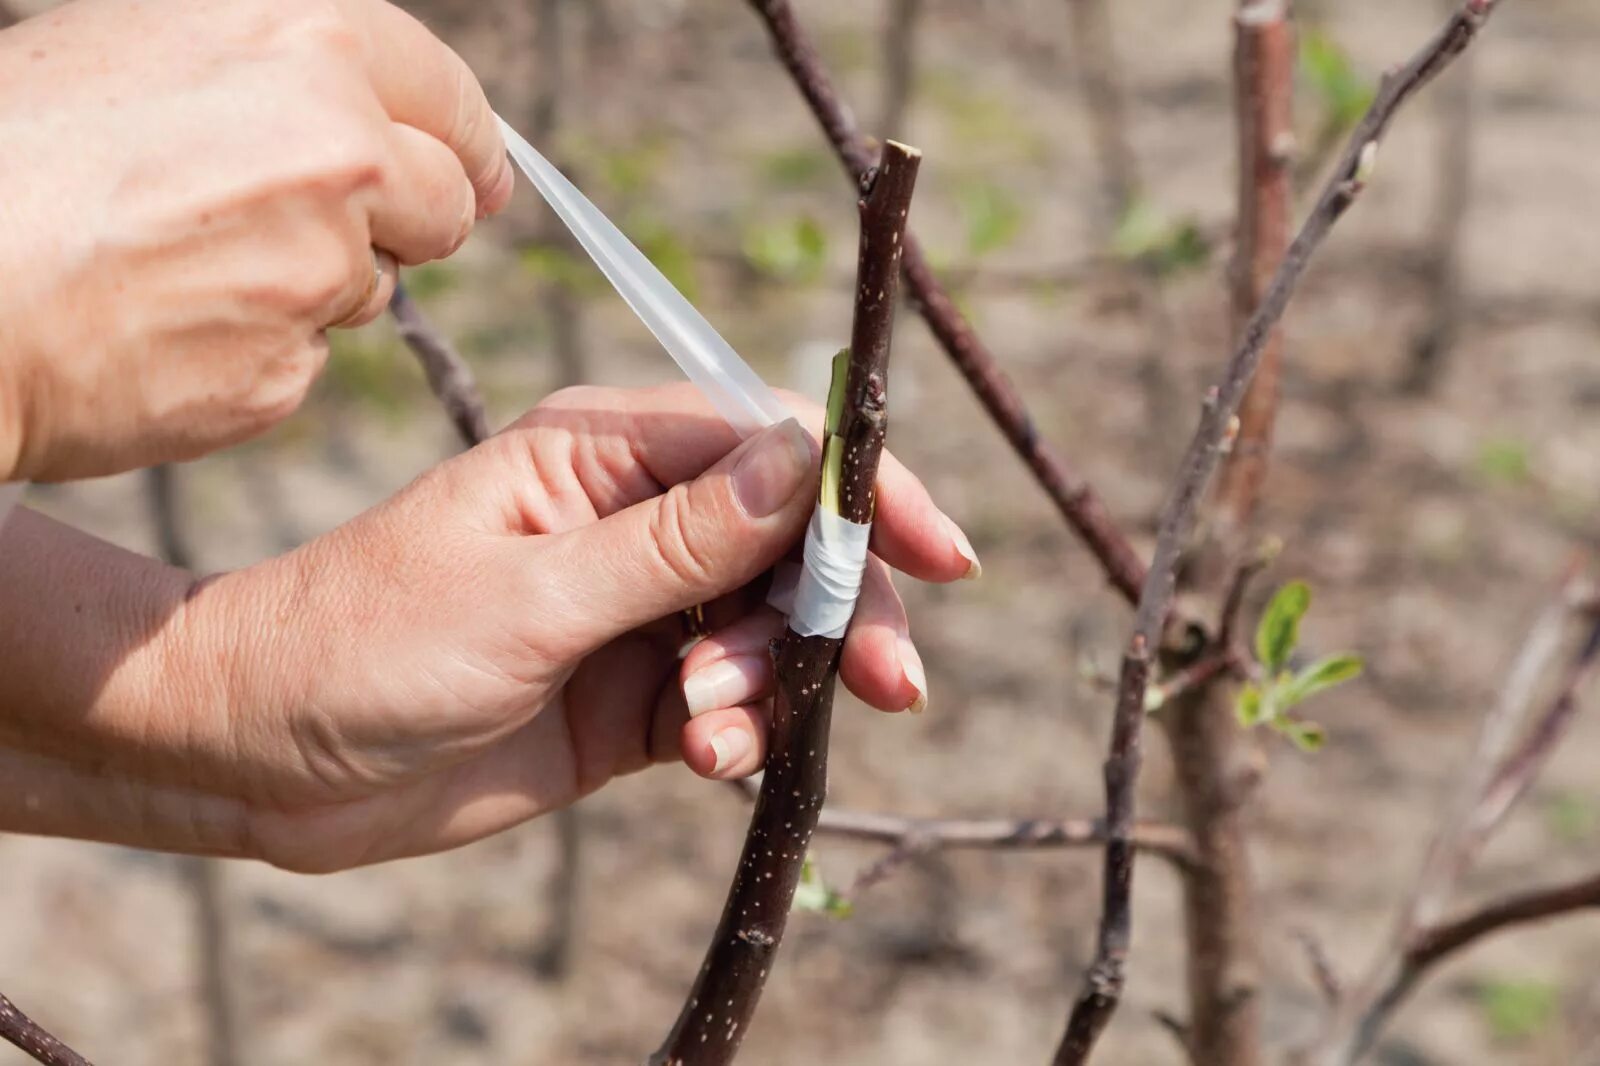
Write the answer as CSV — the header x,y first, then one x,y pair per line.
x,y
1436,943
1073,496
18,1029
1536,905
1212,756
1104,981
448,374
717,1013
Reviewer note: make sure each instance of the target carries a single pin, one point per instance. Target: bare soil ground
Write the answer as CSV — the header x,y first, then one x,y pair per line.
x,y
1430,528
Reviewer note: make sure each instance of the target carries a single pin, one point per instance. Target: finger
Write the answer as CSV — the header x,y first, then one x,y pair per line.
x,y
733,665
426,207
697,541
380,290
422,83
879,663
726,744
673,434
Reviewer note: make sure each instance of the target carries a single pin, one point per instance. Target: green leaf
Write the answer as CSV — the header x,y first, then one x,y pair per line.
x,y
994,217
1320,676
1309,737
812,894
1518,1010
1252,706
1345,95
1279,629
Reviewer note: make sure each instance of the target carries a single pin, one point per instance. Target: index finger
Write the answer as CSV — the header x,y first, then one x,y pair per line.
x,y
673,434
421,82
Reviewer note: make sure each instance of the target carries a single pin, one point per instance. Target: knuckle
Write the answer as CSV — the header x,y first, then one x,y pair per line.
x,y
318,28
677,545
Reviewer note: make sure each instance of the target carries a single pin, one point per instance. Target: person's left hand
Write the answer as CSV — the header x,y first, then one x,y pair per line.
x,y
497,640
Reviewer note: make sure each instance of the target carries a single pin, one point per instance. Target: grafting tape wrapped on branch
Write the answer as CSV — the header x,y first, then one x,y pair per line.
x,y
718,1010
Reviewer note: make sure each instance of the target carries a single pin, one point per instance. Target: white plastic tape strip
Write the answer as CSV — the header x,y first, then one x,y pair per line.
x,y
835,560
737,392
836,550
10,493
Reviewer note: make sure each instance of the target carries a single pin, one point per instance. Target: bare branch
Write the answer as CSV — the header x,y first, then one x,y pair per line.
x,y
1104,981
1498,775
448,374
1264,58
1073,496
22,1031
1536,905
717,1012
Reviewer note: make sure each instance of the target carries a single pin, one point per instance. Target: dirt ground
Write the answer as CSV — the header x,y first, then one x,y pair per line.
x,y
1432,529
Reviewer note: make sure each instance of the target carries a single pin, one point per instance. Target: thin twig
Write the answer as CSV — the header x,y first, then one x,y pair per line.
x,y
1532,906
1503,773
22,1031
448,375
717,1012
947,834
1073,496
1104,981
1322,969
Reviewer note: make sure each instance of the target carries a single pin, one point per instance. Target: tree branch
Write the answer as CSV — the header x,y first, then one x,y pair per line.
x,y
1264,59
1104,981
1073,496
717,1014
448,374
22,1031
1495,782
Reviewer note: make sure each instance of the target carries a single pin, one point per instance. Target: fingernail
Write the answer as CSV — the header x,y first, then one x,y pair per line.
x,y
772,469
964,547
726,683
730,746
911,664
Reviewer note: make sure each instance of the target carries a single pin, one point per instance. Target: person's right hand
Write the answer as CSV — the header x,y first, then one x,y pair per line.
x,y
192,194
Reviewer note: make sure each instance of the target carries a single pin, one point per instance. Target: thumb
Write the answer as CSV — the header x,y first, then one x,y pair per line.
x,y
697,541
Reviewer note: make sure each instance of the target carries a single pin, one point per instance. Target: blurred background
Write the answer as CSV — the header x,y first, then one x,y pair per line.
x,y
1438,463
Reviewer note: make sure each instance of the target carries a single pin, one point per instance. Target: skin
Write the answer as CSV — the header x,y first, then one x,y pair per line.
x,y
203,188
497,640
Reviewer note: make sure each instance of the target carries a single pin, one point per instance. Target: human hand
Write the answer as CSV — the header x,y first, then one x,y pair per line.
x,y
497,640
192,196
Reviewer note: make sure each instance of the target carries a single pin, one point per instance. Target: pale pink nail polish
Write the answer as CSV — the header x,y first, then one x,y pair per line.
x,y
726,683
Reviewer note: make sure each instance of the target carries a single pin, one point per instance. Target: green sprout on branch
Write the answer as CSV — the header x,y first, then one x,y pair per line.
x,y
813,894
1269,701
